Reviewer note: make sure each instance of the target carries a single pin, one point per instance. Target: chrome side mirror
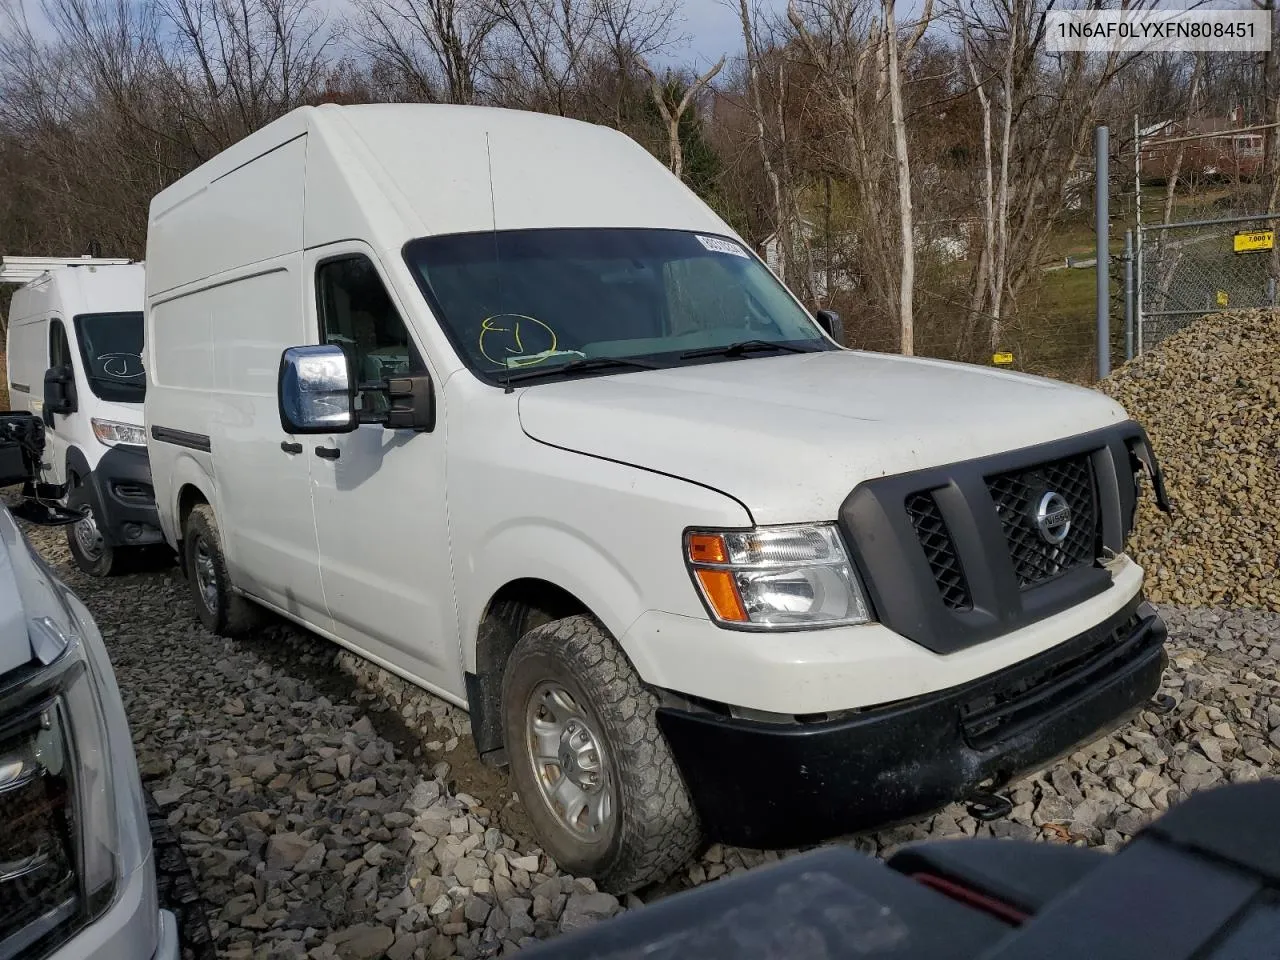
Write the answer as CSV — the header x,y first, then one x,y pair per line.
x,y
315,390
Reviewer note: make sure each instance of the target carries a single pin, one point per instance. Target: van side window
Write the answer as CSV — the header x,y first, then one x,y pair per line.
x,y
59,347
356,314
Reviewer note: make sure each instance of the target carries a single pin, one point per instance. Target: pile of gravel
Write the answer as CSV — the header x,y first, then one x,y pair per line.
x,y
1210,399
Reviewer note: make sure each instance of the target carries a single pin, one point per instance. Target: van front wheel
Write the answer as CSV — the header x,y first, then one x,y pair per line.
x,y
217,604
89,548
592,769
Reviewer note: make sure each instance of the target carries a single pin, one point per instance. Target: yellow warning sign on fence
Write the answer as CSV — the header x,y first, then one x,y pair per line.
x,y
1002,359
1223,299
1253,241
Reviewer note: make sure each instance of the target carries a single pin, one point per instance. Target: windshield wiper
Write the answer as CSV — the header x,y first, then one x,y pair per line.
x,y
580,365
742,347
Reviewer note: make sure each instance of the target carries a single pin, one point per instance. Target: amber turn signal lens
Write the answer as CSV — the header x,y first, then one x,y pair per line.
x,y
707,548
722,593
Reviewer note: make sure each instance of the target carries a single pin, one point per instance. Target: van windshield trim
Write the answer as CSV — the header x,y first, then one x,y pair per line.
x,y
626,276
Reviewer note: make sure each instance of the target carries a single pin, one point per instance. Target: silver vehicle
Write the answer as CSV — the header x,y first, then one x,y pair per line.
x,y
80,873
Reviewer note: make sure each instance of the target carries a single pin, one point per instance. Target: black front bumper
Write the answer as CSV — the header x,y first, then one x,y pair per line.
x,y
120,493
774,785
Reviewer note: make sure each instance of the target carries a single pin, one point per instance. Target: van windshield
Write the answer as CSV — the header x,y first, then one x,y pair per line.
x,y
534,300
111,348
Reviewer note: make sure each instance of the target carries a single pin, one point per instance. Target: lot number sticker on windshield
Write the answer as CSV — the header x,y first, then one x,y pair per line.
x,y
716,245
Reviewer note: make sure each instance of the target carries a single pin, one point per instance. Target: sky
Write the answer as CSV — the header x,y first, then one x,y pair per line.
x,y
711,26
714,28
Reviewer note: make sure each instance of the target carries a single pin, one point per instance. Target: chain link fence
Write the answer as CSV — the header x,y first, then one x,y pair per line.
x,y
1196,267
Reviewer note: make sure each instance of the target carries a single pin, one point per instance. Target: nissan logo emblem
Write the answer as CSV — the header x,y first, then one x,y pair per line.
x,y
1053,517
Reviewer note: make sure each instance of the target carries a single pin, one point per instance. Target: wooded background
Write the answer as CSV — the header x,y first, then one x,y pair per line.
x,y
915,175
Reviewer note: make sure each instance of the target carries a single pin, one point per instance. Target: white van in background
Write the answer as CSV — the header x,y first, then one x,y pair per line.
x,y
495,400
75,359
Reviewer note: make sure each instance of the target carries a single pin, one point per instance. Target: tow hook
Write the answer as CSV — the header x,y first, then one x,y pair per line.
x,y
988,806
1161,703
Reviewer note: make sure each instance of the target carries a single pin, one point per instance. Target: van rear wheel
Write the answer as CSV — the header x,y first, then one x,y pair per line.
x,y
592,769
217,604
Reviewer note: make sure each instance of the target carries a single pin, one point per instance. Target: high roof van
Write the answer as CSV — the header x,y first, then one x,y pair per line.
x,y
74,350
493,399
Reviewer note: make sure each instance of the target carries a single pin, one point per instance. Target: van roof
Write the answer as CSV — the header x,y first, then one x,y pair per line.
x,y
22,270
456,169
85,288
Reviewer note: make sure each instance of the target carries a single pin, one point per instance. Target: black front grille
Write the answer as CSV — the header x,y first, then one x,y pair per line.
x,y
1017,496
940,550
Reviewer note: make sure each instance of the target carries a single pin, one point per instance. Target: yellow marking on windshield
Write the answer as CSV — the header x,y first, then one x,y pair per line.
x,y
488,326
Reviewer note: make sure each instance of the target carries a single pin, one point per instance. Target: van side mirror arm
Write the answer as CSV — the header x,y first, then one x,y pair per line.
x,y
410,400
413,405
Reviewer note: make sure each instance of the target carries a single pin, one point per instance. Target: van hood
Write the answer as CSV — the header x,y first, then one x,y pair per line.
x,y
130,413
790,436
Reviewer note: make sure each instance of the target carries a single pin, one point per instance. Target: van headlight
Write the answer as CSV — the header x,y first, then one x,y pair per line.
x,y
776,578
113,432
58,841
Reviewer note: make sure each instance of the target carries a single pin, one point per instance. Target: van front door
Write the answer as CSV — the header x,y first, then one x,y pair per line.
x,y
379,493
54,465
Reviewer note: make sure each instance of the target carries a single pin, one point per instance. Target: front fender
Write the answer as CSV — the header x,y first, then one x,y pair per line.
x,y
185,471
531,548
78,465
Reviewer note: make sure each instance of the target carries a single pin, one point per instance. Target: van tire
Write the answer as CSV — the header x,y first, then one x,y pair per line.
x,y
220,609
102,562
654,829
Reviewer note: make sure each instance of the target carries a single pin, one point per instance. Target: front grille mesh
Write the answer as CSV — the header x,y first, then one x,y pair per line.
x,y
1017,495
940,550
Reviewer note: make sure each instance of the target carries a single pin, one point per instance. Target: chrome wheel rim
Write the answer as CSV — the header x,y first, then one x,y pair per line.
x,y
88,536
206,578
569,762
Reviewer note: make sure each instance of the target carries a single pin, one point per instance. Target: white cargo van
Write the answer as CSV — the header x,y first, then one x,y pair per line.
x,y
75,359
493,399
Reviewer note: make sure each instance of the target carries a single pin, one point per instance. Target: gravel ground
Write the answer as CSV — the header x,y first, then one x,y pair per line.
x,y
331,810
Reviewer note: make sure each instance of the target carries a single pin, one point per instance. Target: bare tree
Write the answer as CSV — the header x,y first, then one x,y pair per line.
x,y
673,113
633,31
235,65
1038,110
781,222
858,57
906,303
1193,107
437,47
545,49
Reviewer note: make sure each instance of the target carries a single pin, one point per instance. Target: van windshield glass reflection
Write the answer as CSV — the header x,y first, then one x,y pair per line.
x,y
541,299
111,348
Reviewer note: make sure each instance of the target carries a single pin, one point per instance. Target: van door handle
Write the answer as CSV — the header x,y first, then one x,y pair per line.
x,y
328,453
288,447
